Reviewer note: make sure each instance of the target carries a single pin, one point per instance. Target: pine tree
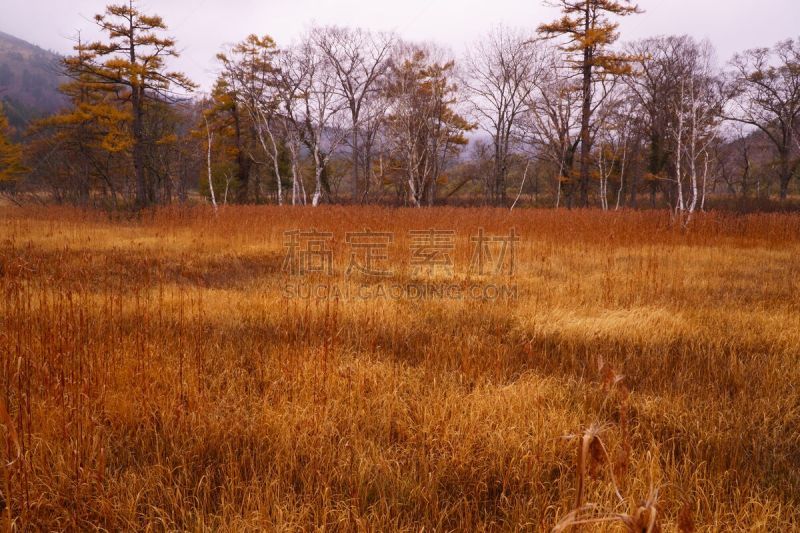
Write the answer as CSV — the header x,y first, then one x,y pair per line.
x,y
590,34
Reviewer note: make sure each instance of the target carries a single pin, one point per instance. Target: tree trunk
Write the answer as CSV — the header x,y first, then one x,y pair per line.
x,y
633,187
242,161
142,198
586,115
499,186
356,178
784,187
208,162
786,174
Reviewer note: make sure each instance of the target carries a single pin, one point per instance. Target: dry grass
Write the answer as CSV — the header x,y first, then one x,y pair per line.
x,y
153,376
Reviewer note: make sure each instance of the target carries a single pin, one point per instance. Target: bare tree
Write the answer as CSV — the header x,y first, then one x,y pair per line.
x,y
672,85
765,90
501,74
550,126
613,140
734,154
697,107
290,80
315,108
359,60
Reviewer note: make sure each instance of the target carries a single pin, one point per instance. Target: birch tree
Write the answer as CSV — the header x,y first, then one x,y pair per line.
x,y
316,108
697,109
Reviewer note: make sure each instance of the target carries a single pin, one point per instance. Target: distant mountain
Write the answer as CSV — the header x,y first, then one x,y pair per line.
x,y
29,80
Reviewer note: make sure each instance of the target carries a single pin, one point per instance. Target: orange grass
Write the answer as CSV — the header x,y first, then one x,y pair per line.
x,y
154,376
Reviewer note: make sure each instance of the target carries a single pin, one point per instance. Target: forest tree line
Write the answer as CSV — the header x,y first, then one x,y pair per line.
x,y
563,115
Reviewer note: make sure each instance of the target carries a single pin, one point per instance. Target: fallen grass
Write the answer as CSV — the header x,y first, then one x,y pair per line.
x,y
154,376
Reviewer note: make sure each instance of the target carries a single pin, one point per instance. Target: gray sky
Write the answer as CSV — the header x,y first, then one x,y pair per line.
x,y
203,26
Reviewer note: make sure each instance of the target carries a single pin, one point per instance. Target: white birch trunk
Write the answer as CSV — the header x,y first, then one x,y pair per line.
x,y
210,180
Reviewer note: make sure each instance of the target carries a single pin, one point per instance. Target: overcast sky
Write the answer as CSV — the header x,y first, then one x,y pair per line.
x,y
202,27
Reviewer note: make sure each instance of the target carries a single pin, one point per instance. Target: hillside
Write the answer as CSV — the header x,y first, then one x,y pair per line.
x,y
29,80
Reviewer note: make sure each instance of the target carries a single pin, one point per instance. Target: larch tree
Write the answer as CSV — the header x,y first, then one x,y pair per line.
x,y
132,61
222,119
87,144
226,114
424,129
11,166
215,130
249,85
590,34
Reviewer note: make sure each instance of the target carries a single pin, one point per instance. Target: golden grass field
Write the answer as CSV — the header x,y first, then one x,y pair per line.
x,y
155,375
